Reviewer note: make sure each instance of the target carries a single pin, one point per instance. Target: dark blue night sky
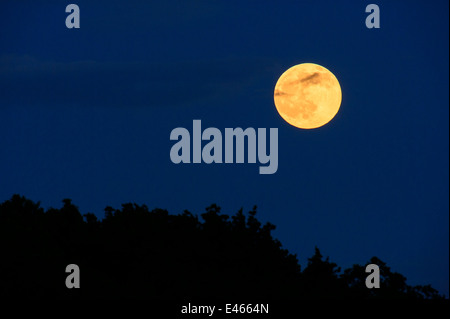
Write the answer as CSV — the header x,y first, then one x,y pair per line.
x,y
87,113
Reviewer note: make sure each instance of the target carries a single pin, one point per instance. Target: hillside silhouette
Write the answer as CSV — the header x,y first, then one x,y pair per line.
x,y
135,252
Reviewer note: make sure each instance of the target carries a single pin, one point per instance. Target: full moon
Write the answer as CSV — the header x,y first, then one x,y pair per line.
x,y
307,95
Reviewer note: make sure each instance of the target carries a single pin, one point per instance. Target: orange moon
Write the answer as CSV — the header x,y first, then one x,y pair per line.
x,y
307,95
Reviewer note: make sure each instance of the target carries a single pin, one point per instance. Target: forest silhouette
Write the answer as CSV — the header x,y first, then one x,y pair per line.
x,y
134,252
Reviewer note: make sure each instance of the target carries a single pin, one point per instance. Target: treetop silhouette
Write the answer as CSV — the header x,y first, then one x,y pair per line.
x,y
134,252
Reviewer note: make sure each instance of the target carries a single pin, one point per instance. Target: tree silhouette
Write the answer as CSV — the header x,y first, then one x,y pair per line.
x,y
320,279
135,252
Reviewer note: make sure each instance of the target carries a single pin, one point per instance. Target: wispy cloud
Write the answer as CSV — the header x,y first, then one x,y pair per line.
x,y
313,78
29,81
